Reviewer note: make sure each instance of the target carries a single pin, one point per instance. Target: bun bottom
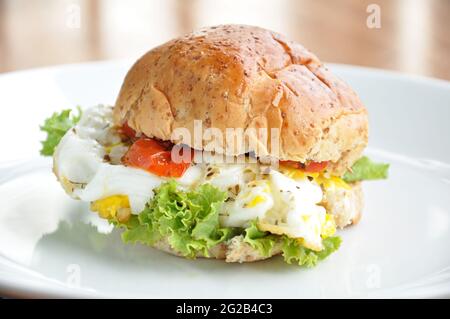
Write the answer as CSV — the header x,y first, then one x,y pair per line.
x,y
234,251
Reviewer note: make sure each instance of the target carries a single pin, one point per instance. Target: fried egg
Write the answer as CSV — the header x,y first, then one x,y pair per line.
x,y
297,212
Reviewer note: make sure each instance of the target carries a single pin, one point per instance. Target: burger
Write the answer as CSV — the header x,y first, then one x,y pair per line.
x,y
231,142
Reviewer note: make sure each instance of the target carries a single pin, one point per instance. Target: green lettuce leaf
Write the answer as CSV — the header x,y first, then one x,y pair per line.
x,y
330,244
365,169
264,242
135,232
56,126
190,220
292,250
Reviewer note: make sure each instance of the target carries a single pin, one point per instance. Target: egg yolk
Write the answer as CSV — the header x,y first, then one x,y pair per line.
x,y
319,178
258,199
112,206
329,227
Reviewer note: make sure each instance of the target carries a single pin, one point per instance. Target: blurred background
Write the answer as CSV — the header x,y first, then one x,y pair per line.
x,y
411,36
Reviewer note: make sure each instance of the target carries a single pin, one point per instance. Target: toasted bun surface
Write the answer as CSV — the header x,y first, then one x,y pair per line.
x,y
236,76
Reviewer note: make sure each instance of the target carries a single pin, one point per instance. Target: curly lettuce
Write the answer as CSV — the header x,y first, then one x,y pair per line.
x,y
189,220
294,252
292,249
56,126
262,241
366,169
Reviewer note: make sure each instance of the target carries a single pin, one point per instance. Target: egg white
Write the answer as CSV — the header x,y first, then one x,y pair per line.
x,y
298,214
252,202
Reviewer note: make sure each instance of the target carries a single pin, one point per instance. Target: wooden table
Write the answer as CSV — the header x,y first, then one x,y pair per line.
x,y
414,35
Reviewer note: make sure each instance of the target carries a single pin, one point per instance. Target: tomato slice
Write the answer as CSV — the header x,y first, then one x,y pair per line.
x,y
150,155
311,167
127,130
315,167
292,164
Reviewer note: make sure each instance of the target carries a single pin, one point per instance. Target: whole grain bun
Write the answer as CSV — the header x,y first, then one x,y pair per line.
x,y
237,76
234,251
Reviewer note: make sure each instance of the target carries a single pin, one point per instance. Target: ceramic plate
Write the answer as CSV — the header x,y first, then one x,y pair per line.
x,y
49,246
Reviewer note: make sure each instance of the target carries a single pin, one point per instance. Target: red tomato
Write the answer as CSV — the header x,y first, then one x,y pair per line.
x,y
150,155
311,167
292,164
127,130
315,167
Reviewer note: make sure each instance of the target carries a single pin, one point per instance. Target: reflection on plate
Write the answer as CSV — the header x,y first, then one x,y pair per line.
x,y
51,245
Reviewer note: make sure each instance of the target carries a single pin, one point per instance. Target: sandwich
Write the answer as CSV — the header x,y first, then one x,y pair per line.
x,y
231,142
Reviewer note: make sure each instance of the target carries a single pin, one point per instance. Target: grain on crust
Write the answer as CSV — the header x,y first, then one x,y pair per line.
x,y
236,76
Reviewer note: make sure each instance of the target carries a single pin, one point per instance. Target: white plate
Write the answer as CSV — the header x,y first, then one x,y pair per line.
x,y
400,249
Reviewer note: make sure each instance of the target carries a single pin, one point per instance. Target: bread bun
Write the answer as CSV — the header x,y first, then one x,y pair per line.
x,y
237,76
234,251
